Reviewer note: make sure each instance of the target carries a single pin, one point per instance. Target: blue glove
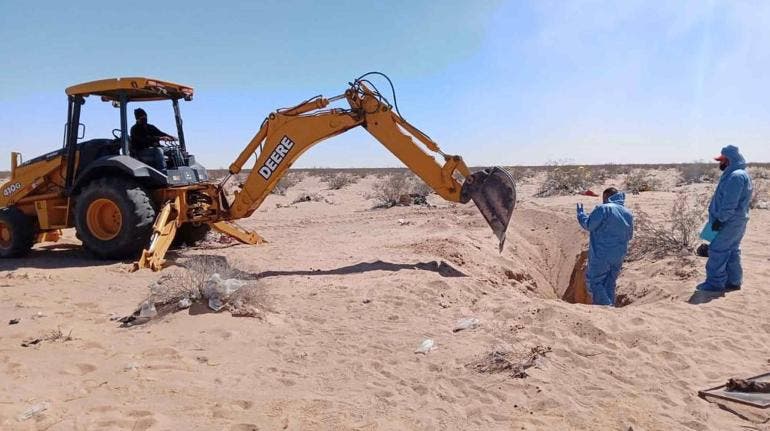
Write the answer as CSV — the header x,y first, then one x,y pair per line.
x,y
579,209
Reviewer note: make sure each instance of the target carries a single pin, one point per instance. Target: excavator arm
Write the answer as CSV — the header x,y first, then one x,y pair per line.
x,y
287,133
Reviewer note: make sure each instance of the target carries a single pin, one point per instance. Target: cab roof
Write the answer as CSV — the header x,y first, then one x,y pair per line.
x,y
136,88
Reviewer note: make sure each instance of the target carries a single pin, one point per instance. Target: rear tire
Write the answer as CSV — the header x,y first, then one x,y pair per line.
x,y
17,233
114,217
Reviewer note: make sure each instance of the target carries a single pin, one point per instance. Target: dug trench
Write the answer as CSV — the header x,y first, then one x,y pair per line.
x,y
556,251
547,255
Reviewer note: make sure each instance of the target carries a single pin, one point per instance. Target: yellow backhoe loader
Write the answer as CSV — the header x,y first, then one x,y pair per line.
x,y
123,206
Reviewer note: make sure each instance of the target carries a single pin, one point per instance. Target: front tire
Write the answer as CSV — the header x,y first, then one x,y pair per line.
x,y
114,217
17,233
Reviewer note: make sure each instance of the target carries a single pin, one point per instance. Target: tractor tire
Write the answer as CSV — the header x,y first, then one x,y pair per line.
x,y
114,217
17,233
190,234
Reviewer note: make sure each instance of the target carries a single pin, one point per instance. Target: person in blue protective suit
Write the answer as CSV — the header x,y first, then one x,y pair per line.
x,y
611,227
728,215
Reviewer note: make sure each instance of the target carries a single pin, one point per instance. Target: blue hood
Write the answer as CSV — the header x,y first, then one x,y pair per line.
x,y
733,194
618,198
734,156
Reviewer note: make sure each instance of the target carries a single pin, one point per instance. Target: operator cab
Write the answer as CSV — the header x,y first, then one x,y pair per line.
x,y
125,93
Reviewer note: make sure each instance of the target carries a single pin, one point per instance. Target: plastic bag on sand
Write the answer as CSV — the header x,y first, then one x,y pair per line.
x,y
426,346
184,303
466,323
217,290
148,309
32,411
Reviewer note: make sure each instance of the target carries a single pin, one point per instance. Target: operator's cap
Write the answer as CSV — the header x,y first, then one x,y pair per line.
x,y
721,158
139,113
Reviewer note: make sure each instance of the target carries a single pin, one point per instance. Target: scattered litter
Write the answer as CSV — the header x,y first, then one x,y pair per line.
x,y
742,385
366,301
194,287
205,360
14,321
218,290
426,346
761,205
403,222
498,362
148,310
31,342
38,315
752,391
215,303
466,323
32,411
131,366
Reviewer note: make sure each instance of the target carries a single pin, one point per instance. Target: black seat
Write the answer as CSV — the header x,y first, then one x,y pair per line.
x,y
96,149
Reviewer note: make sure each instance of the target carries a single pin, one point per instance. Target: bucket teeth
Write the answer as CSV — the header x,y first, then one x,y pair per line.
x,y
494,193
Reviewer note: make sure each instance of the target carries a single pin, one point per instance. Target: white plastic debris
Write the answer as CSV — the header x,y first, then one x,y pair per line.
x,y
184,303
426,346
32,411
218,290
761,205
215,303
148,309
403,222
466,323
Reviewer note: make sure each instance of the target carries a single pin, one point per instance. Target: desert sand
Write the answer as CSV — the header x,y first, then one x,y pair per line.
x,y
349,293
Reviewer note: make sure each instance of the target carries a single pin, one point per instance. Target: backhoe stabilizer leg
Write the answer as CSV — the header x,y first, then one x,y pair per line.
x,y
163,232
233,230
494,193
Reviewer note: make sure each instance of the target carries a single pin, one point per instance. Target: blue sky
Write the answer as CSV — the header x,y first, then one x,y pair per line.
x,y
498,82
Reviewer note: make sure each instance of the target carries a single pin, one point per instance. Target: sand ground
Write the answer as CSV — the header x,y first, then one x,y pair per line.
x,y
350,293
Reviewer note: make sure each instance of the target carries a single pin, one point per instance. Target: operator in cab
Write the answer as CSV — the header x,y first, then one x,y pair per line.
x,y
145,141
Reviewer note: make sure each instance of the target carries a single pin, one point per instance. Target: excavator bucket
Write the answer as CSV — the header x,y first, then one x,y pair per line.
x,y
494,193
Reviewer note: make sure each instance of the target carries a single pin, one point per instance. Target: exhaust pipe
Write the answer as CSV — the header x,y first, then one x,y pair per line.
x,y
494,193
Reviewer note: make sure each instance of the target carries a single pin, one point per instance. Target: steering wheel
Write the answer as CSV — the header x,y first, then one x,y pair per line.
x,y
117,133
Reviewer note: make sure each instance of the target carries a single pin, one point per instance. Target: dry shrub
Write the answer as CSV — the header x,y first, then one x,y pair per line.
x,y
515,365
698,172
420,188
676,235
191,279
289,180
641,180
233,184
608,171
324,175
55,335
520,174
400,189
312,197
189,282
389,190
760,173
340,180
758,196
58,335
565,180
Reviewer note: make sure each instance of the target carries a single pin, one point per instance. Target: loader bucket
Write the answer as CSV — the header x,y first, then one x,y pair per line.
x,y
494,193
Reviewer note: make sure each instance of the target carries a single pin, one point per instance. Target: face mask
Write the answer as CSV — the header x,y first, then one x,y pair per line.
x,y
722,166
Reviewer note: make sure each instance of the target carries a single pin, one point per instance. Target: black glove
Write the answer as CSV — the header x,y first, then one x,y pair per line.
x,y
716,225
